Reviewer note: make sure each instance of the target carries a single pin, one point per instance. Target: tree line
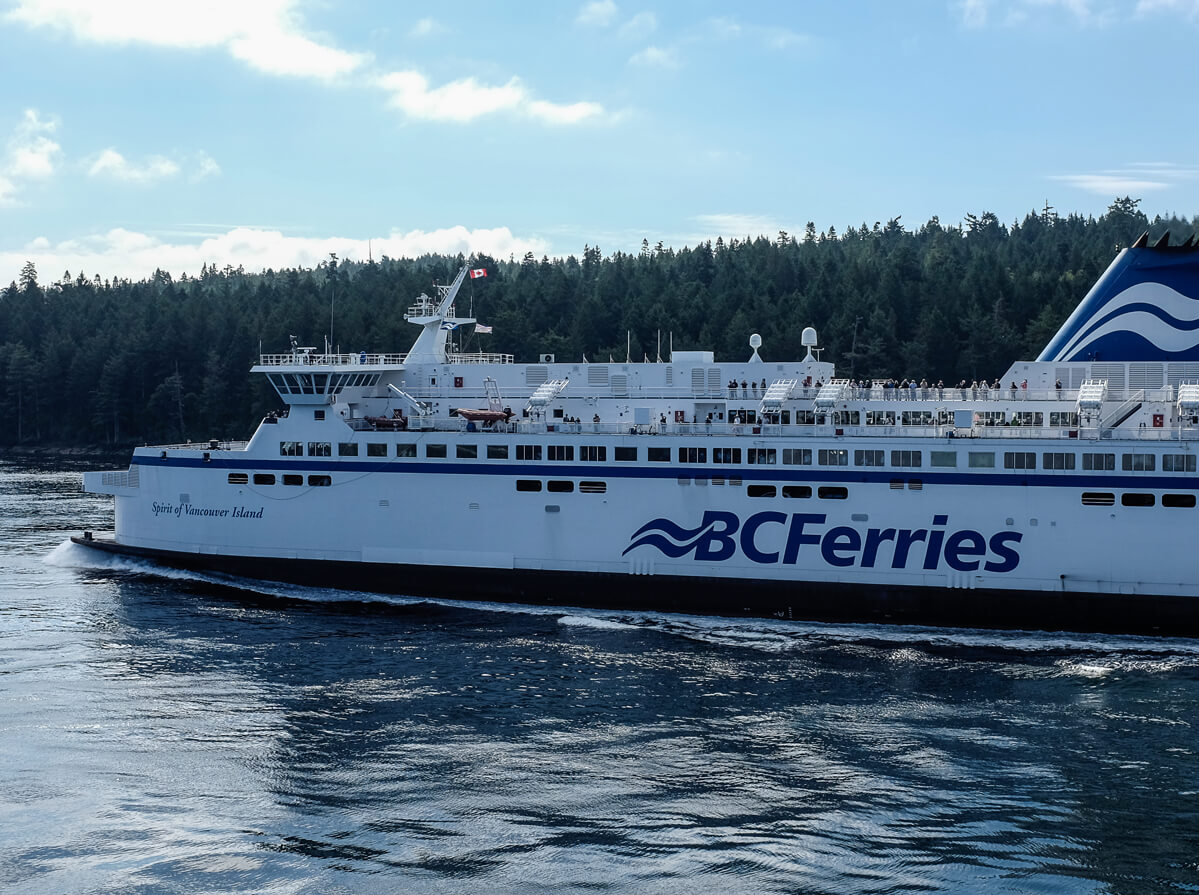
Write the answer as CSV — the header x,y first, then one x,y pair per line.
x,y
88,362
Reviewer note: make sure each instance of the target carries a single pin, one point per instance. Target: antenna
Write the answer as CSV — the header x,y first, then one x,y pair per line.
x,y
332,293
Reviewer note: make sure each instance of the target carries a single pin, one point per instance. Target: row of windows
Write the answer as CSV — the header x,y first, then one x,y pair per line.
x,y
320,383
824,492
561,487
268,478
898,459
1132,499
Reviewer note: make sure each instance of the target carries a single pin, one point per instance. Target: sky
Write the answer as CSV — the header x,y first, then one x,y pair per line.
x,y
144,134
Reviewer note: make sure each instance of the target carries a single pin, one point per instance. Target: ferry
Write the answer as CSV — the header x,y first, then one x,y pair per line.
x,y
1060,495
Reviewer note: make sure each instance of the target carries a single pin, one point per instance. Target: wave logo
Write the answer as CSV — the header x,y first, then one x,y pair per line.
x,y
773,537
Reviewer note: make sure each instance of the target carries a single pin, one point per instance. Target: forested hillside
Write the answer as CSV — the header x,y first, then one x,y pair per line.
x,y
86,362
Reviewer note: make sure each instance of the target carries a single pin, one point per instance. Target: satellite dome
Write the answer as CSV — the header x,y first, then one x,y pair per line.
x,y
808,337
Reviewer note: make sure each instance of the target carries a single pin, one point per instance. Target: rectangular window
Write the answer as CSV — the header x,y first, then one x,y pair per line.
x,y
559,487
797,491
626,454
437,451
693,455
1027,418
1178,463
834,457
466,451
1138,463
528,485
1098,499
1019,460
1057,460
906,459
832,492
293,479
1099,462
320,481
406,449
291,449
763,456
593,487
1136,500
658,455
239,478
797,456
593,453
264,478
528,452
347,449
561,452
1063,419
868,458
761,490
320,449
726,455
981,460
943,459
375,449
497,452
1178,500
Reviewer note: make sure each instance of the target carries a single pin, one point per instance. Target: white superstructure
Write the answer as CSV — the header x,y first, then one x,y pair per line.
x,y
1066,496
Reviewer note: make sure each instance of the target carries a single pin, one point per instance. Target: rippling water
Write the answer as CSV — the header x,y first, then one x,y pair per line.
x,y
165,732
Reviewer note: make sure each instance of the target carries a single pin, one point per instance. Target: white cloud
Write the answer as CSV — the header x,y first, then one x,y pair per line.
x,y
599,14
1189,9
656,57
639,26
467,99
426,27
265,34
1110,184
125,253
772,37
29,155
738,225
111,165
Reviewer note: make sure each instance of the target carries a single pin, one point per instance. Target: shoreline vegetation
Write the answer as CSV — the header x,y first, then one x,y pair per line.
x,y
91,367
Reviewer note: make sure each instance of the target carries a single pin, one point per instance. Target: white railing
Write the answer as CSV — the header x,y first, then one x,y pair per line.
x,y
303,359
480,358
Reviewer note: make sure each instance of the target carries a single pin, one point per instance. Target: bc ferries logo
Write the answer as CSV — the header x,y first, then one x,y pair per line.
x,y
773,537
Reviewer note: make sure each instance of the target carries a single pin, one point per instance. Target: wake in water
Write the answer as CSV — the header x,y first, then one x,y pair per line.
x,y
1085,655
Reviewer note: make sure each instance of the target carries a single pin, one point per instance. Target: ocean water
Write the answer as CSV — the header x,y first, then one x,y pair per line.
x,y
167,732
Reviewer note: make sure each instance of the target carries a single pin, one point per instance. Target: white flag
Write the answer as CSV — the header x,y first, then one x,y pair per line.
x,y
480,328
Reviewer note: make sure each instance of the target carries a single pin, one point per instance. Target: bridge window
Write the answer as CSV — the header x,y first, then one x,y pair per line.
x,y
1099,462
1178,500
626,454
834,457
761,490
466,451
347,449
981,460
264,478
291,449
1057,460
693,455
726,455
593,453
868,458
763,456
320,449
561,452
1136,500
1019,460
1178,463
497,452
658,455
1138,462
797,456
528,485
528,452
797,491
376,449
1098,499
436,451
943,459
406,449
908,459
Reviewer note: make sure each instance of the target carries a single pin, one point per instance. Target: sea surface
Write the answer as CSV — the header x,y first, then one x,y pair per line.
x,y
170,732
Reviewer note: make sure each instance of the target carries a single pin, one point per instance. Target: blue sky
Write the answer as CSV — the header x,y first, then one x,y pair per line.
x,y
137,134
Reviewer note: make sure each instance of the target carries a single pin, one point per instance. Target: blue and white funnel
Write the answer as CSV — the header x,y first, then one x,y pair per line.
x,y
1145,307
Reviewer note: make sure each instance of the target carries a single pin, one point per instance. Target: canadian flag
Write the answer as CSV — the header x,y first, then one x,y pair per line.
x,y
478,272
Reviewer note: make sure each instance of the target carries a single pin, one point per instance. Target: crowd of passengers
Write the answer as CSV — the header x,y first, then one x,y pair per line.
x,y
901,388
